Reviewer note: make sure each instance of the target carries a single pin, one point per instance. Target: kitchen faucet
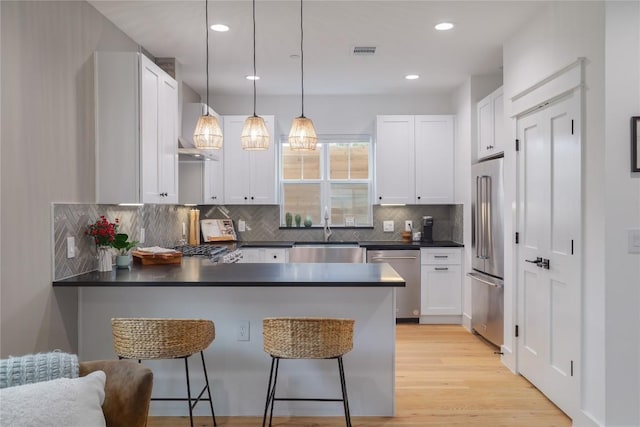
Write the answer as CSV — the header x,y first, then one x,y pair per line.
x,y
327,230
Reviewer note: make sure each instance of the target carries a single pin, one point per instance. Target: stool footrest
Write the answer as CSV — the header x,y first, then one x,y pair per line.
x,y
308,399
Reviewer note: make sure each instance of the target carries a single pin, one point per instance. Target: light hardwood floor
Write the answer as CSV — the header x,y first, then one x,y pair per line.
x,y
444,377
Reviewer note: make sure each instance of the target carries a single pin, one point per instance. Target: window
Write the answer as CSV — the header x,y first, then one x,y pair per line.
x,y
337,175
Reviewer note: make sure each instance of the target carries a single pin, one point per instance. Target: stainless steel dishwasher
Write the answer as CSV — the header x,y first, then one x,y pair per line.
x,y
407,264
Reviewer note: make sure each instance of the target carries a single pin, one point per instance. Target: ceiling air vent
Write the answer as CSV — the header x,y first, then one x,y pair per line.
x,y
364,50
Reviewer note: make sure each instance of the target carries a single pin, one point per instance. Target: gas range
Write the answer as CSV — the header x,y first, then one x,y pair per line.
x,y
217,254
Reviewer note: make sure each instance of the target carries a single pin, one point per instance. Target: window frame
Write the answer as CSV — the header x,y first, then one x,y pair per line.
x,y
325,181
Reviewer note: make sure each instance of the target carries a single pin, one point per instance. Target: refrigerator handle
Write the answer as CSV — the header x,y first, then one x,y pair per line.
x,y
488,242
478,217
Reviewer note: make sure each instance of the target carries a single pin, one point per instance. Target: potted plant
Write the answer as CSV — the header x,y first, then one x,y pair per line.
x,y
122,245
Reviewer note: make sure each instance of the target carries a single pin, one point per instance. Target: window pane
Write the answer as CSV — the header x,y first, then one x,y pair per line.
x,y
360,161
339,161
350,200
300,164
303,199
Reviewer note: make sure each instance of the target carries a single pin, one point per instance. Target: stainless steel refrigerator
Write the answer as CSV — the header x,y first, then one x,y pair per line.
x,y
487,284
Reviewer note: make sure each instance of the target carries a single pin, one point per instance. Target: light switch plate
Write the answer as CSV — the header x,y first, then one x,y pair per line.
x,y
634,240
242,226
387,226
71,247
408,225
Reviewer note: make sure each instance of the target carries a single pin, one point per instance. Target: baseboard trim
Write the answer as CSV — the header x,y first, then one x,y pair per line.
x,y
441,320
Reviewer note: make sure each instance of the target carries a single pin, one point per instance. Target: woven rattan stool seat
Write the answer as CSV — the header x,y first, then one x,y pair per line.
x,y
307,337
153,339
147,338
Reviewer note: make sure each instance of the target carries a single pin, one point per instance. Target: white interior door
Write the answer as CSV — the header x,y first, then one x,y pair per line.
x,y
549,178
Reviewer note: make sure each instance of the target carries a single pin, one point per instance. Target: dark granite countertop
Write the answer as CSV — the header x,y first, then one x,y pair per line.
x,y
199,272
379,244
396,245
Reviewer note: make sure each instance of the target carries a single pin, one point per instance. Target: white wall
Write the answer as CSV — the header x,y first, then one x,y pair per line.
x,y
334,114
622,212
560,34
47,155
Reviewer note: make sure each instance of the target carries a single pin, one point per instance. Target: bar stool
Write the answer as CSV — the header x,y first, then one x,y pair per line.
x,y
154,339
306,338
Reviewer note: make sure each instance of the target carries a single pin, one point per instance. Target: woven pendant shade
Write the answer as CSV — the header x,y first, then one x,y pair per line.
x,y
208,134
255,135
302,135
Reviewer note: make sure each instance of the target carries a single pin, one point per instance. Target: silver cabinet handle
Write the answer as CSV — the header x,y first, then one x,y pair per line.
x,y
442,268
392,257
441,256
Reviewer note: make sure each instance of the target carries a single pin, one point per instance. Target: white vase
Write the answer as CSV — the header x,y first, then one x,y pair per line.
x,y
104,258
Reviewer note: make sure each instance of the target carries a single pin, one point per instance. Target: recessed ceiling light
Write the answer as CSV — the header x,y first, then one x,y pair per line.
x,y
444,26
221,28
252,77
412,76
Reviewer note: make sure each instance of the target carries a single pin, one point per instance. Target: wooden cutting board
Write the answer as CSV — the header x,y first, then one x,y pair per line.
x,y
149,258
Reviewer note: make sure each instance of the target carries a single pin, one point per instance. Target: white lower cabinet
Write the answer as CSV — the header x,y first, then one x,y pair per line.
x,y
263,255
441,282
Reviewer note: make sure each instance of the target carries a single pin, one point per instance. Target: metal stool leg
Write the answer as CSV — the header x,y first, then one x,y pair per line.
x,y
273,394
186,367
206,379
345,399
268,399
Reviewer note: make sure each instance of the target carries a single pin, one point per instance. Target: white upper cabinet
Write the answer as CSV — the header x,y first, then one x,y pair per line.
x,y
395,173
491,129
136,130
434,160
201,181
249,176
414,159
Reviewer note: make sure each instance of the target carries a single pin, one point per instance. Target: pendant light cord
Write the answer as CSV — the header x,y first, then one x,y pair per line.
x,y
301,58
254,58
206,27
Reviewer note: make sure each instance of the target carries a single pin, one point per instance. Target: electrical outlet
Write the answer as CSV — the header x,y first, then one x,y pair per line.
x,y
242,333
141,235
408,225
242,226
387,226
71,247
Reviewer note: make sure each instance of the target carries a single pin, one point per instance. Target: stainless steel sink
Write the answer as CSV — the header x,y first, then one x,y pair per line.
x,y
330,252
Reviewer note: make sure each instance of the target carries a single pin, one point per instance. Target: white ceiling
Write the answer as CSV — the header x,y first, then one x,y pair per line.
x,y
402,31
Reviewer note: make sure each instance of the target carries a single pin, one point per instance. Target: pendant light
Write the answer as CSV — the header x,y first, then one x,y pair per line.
x,y
254,132
302,135
208,134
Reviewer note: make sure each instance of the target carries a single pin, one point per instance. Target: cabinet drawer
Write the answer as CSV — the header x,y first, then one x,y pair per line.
x,y
275,255
440,256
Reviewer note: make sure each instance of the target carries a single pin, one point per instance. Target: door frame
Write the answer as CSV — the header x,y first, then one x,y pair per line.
x,y
556,86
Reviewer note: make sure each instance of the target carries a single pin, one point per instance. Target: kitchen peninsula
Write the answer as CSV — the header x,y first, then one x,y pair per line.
x,y
233,295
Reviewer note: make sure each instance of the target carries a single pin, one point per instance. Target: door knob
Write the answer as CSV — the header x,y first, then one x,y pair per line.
x,y
540,262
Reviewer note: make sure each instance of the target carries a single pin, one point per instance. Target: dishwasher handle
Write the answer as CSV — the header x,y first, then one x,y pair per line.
x,y
496,283
381,258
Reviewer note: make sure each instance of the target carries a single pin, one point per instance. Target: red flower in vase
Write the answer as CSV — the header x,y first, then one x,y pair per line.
x,y
102,231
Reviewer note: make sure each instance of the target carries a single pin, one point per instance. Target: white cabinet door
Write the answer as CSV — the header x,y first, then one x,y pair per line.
x,y
249,176
441,281
434,159
491,129
136,130
441,290
395,177
251,255
168,139
213,182
499,128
